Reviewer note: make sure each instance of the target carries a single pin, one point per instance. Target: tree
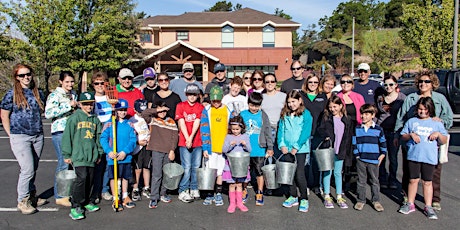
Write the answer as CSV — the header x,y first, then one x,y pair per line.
x,y
394,9
428,30
280,13
222,6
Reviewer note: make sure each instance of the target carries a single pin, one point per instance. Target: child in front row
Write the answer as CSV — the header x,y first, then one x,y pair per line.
x,y
259,131
423,134
163,143
81,148
126,142
235,141
336,131
293,140
369,147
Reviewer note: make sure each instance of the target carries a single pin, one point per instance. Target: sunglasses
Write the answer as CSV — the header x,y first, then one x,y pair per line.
x,y
313,82
257,79
163,80
98,83
391,84
362,71
219,71
29,74
127,78
346,82
270,82
123,110
246,78
424,81
296,68
188,70
87,103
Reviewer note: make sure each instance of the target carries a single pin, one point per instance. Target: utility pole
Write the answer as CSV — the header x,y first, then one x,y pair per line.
x,y
352,74
454,52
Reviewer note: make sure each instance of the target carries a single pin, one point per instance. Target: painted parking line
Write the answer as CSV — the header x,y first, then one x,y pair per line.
x,y
40,209
14,160
7,137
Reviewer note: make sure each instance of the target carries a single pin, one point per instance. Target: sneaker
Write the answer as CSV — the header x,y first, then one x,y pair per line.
x,y
185,197
342,203
165,199
91,207
97,200
218,199
127,202
259,199
64,202
76,213
328,203
291,201
430,213
107,196
303,207
407,208
25,206
153,204
136,194
146,192
37,201
378,206
208,200
245,196
195,193
359,206
436,206
120,206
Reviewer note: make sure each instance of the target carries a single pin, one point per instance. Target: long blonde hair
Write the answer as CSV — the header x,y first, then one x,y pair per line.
x,y
18,92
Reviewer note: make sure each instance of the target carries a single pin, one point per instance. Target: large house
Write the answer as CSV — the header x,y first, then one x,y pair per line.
x,y
243,40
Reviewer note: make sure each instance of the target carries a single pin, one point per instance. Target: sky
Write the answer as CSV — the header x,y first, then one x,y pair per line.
x,y
305,12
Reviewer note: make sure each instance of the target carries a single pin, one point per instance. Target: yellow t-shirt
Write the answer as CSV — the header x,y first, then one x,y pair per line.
x,y
219,125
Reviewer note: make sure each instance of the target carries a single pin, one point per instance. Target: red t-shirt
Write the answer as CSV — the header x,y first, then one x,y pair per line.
x,y
131,96
189,113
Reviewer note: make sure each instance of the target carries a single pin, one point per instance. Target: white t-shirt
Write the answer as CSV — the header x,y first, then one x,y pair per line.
x,y
236,104
142,130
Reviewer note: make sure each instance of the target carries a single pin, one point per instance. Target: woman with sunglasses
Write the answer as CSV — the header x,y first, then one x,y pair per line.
x,y
257,82
246,82
426,82
21,110
326,85
166,95
315,102
296,81
59,106
388,105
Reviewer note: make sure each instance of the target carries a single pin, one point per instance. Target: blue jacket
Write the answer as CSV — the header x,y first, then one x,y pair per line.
x,y
295,132
126,140
205,128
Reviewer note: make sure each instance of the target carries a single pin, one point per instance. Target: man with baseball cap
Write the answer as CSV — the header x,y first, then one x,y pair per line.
x,y
151,88
126,90
220,80
367,88
178,85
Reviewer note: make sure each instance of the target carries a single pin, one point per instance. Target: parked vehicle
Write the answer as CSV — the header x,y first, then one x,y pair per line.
x,y
449,80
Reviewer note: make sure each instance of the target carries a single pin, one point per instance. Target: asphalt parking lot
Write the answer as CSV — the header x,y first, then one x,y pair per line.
x,y
177,215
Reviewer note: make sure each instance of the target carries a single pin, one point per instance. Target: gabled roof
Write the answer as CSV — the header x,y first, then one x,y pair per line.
x,y
177,44
240,18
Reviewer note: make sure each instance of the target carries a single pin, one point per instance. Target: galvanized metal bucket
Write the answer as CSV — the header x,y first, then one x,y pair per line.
x,y
172,174
65,180
239,163
325,157
269,172
285,171
206,177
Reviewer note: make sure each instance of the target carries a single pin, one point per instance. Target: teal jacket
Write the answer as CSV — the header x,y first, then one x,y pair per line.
x,y
295,131
80,141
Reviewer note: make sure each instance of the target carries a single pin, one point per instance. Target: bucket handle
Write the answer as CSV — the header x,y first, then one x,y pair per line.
x,y
266,158
330,144
203,164
295,158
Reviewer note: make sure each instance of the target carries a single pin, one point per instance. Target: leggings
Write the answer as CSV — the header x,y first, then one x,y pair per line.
x,y
338,164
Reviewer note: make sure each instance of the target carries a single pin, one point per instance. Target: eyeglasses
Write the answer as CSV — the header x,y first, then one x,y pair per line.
x,y
218,71
257,79
346,82
270,82
296,68
424,81
188,71
313,82
391,84
98,83
362,71
29,74
87,103
163,80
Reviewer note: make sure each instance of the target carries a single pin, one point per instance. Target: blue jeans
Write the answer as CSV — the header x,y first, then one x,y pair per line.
x,y
338,165
389,177
191,162
57,138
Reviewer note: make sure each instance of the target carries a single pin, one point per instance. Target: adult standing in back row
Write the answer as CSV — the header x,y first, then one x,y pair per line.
x,y
127,91
178,85
367,88
220,80
296,81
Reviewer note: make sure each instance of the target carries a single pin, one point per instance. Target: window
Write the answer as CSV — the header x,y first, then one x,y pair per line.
x,y
145,37
182,35
227,36
268,36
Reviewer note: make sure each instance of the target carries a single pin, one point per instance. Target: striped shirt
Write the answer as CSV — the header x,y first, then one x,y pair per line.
x,y
369,143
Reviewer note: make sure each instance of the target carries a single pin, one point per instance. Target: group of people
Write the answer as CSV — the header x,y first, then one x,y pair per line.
x,y
364,124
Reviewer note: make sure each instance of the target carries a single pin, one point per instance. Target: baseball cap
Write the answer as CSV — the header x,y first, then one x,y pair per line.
x,y
140,105
219,67
187,65
122,104
364,66
216,93
192,89
125,72
86,97
149,72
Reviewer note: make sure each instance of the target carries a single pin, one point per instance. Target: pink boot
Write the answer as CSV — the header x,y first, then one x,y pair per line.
x,y
231,208
239,202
